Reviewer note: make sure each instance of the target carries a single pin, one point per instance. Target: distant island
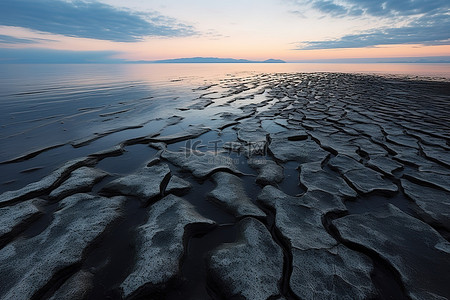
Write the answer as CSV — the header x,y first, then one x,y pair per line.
x,y
215,60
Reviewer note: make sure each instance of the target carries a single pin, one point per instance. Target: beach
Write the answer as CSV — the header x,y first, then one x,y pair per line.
x,y
253,185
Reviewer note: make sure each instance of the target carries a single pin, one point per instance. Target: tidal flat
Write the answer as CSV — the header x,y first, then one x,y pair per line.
x,y
244,186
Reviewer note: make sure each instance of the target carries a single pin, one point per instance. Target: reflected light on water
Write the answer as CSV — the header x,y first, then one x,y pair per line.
x,y
30,76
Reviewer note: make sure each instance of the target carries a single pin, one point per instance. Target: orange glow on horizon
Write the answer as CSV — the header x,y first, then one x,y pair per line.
x,y
386,51
225,47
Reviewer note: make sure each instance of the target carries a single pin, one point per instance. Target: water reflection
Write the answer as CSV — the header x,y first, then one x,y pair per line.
x,y
18,77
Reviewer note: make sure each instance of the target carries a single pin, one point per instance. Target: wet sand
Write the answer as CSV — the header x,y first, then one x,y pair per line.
x,y
319,185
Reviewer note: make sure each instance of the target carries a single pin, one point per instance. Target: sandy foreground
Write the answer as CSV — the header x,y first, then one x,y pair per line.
x,y
272,186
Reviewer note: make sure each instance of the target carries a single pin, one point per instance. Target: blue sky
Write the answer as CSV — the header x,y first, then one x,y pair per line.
x,y
114,31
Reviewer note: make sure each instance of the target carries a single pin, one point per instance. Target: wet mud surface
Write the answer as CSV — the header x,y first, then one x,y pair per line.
x,y
266,186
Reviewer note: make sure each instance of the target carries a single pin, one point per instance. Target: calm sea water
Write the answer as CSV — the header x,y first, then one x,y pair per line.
x,y
15,78
59,106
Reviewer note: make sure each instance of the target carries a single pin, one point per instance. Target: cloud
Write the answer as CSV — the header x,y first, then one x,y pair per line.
x,y
88,20
423,22
11,40
329,7
427,30
47,56
7,39
387,8
399,7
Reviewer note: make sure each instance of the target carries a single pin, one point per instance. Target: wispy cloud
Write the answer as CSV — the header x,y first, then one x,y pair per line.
x,y
423,22
425,30
88,20
400,7
7,39
48,56
335,9
387,8
11,40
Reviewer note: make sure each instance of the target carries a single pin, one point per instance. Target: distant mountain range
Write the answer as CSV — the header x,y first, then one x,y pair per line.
x,y
214,60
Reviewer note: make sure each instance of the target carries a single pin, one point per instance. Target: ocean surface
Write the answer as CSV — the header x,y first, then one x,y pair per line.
x,y
52,113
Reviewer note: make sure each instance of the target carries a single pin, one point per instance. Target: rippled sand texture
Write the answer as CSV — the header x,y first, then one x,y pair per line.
x,y
280,186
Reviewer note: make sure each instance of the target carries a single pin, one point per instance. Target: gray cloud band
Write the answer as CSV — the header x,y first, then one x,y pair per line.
x,y
429,25
88,20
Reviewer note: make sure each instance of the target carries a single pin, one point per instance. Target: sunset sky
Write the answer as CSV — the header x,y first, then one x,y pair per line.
x,y
292,30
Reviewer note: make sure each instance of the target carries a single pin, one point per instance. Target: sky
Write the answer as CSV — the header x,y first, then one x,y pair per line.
x,y
105,31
